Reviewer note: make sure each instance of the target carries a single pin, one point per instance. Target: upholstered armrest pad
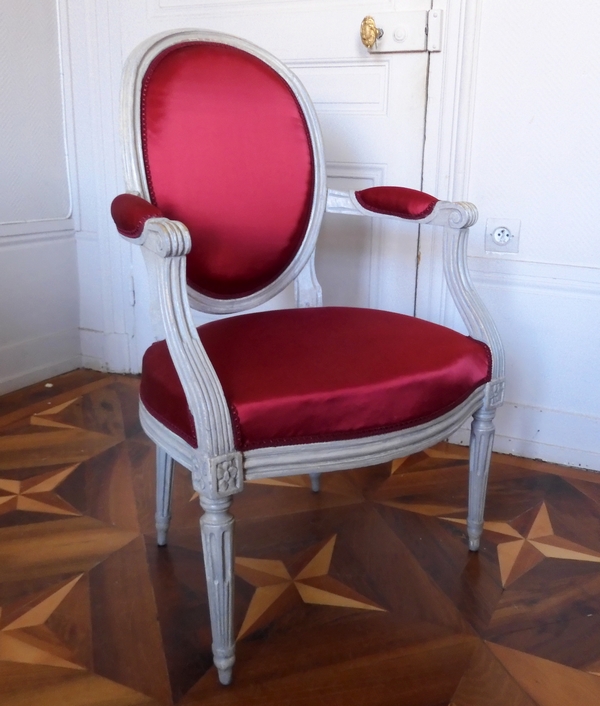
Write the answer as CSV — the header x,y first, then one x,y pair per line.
x,y
130,212
397,201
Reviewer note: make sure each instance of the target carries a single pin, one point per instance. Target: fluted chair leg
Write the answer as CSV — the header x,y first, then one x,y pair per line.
x,y
315,482
217,543
482,438
164,485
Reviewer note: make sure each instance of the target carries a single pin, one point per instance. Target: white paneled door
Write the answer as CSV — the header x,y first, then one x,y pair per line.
x,y
372,109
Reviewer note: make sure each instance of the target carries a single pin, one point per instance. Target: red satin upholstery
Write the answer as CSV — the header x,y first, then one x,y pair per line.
x,y
309,375
131,212
396,201
228,153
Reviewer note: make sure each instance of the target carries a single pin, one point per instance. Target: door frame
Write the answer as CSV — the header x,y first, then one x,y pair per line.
x,y
448,140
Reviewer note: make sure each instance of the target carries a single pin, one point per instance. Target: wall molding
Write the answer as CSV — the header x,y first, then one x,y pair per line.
x,y
569,280
518,291
93,52
17,242
546,434
36,180
22,228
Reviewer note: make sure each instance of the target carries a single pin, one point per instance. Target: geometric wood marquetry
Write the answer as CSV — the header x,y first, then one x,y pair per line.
x,y
521,552
36,494
276,587
24,633
548,683
362,593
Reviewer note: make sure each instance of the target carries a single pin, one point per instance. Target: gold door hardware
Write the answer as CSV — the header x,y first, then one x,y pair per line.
x,y
410,31
369,32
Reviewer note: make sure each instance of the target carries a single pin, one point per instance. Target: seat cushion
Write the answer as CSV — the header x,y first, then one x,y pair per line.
x,y
312,375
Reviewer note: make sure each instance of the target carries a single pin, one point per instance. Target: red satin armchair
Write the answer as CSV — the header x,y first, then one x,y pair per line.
x,y
226,191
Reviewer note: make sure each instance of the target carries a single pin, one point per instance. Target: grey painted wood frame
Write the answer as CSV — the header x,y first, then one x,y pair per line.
x,y
218,469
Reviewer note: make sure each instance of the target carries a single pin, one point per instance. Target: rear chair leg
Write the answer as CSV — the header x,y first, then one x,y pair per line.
x,y
482,438
315,482
164,486
217,543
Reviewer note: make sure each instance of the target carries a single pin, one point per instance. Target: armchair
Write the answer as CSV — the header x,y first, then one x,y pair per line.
x,y
226,191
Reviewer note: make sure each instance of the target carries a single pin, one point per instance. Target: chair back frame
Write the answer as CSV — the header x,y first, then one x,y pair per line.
x,y
134,71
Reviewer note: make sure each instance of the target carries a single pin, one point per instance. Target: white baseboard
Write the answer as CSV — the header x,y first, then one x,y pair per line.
x,y
106,352
550,435
92,350
27,362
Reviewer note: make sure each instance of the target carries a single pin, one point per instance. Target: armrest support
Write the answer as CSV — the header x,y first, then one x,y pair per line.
x,y
455,218
165,243
473,311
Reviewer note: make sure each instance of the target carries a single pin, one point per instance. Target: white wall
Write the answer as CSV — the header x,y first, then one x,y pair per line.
x,y
39,318
535,157
511,127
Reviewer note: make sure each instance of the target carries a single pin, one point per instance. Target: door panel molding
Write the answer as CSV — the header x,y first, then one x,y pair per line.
x,y
211,7
345,86
361,239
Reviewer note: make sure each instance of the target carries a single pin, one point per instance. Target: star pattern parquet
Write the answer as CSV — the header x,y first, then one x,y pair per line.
x,y
363,593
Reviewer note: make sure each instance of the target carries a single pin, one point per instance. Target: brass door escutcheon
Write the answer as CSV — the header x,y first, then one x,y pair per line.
x,y
369,32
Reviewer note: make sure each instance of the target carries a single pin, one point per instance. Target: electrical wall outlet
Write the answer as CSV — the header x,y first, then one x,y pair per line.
x,y
502,235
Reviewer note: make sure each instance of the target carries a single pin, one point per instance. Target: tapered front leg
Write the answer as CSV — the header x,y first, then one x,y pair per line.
x,y
217,543
164,485
482,438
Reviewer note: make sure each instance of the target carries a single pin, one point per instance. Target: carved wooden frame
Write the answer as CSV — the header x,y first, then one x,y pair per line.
x,y
133,74
218,469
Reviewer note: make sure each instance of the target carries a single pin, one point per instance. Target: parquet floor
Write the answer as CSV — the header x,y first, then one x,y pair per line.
x,y
363,594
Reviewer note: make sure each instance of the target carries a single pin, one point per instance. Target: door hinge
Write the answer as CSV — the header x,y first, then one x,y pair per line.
x,y
434,30
413,31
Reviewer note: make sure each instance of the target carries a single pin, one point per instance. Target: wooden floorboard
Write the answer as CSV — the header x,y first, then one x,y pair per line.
x,y
364,593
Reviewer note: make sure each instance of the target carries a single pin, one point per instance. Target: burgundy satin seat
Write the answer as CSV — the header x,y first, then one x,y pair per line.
x,y
308,375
